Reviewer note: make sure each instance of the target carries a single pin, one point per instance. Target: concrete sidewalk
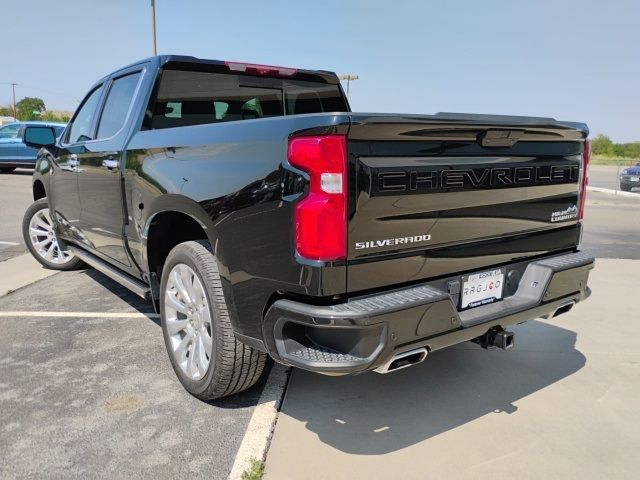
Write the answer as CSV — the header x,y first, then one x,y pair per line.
x,y
20,271
564,403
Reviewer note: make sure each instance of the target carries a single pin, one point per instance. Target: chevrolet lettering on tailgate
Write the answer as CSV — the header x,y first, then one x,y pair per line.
x,y
423,180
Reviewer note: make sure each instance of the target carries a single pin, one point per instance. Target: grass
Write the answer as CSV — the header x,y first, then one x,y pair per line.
x,y
255,470
605,160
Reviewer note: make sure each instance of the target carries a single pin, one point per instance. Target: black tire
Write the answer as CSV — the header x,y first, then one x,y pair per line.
x,y
73,264
233,366
625,187
7,169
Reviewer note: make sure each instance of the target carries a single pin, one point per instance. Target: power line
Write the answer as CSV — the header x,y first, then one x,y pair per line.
x,y
13,89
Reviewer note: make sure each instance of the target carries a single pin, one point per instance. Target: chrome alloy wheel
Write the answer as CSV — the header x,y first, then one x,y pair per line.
x,y
188,321
43,238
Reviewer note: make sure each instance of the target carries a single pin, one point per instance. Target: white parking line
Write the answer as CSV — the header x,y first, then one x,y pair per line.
x,y
80,314
260,429
8,243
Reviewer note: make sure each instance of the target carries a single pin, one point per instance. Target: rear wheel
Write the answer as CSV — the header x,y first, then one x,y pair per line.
x,y
41,240
7,169
208,360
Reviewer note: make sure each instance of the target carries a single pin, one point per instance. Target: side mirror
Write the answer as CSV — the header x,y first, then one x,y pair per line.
x,y
37,136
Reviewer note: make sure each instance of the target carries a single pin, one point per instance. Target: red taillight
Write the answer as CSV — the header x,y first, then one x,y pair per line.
x,y
321,217
584,178
258,69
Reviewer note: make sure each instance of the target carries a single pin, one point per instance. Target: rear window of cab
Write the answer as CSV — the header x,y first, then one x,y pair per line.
x,y
186,98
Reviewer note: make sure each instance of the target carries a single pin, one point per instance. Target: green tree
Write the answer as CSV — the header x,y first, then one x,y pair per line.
x,y
602,145
631,150
30,108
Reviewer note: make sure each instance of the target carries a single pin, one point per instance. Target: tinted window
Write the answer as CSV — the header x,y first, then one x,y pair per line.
x,y
10,131
58,130
196,97
117,105
81,126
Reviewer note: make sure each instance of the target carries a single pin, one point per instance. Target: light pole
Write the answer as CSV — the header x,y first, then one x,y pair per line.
x,y
348,78
13,87
153,26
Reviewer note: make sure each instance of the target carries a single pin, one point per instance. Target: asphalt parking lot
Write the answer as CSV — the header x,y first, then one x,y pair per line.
x,y
15,197
86,388
607,176
85,394
612,226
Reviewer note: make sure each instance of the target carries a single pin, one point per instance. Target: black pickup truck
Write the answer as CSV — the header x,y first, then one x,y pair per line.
x,y
262,218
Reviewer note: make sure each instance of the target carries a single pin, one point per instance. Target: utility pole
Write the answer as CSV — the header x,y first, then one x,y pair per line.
x,y
15,116
348,78
153,26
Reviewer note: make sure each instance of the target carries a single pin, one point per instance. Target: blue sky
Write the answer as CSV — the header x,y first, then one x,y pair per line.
x,y
568,59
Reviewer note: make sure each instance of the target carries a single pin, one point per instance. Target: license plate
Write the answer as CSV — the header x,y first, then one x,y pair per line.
x,y
481,288
635,179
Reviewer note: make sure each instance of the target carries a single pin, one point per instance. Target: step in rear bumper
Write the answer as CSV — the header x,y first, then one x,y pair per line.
x,y
364,332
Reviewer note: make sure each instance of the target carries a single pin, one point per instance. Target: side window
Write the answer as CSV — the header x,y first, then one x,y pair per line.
x,y
251,109
117,104
173,110
10,131
81,127
221,109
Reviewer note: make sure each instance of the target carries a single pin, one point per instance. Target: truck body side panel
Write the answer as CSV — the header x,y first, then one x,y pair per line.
x,y
230,177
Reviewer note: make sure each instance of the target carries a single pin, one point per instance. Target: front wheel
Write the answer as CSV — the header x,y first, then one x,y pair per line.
x,y
625,187
41,240
208,360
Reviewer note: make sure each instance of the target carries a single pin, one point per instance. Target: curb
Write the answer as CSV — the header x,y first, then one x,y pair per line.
x,y
260,429
20,271
614,192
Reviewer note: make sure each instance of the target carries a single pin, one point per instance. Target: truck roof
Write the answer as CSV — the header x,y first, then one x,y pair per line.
x,y
299,73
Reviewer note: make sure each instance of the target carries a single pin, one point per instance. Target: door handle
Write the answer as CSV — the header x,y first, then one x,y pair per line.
x,y
110,163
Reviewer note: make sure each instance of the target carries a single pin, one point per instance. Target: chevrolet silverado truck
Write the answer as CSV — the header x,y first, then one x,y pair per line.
x,y
262,218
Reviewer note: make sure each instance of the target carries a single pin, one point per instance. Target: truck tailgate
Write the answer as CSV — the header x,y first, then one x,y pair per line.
x,y
437,195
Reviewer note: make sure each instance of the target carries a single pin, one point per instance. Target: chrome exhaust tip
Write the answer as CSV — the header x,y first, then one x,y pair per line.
x,y
564,308
403,360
